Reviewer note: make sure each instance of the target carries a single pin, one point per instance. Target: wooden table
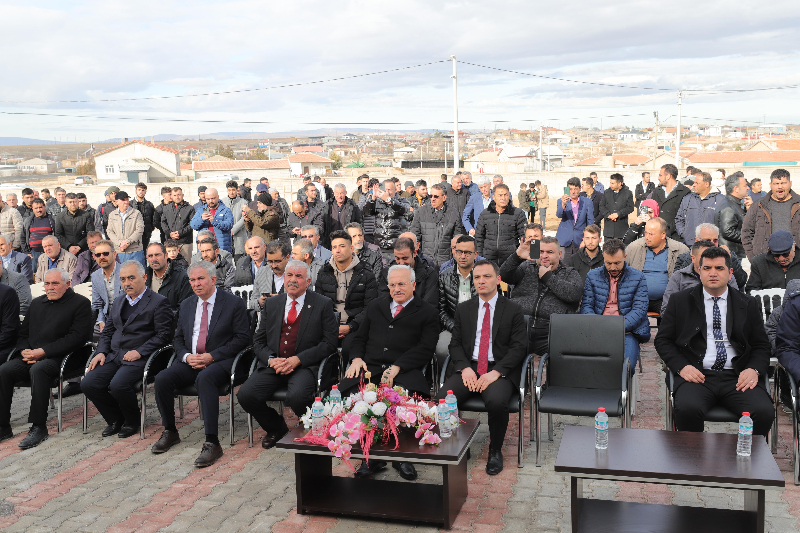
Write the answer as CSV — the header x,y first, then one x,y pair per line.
x,y
676,458
320,492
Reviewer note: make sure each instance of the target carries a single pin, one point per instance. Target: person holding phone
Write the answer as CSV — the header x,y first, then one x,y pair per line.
x,y
648,210
576,212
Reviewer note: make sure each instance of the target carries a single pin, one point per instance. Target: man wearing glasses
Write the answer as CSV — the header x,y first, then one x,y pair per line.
x,y
455,287
269,281
435,224
709,232
106,286
777,266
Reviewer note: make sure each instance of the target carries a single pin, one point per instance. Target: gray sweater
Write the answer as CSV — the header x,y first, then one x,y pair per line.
x,y
557,292
683,279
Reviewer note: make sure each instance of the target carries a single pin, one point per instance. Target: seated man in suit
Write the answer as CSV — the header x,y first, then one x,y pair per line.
x,y
58,322
139,324
106,285
212,328
395,341
9,320
297,332
20,285
722,360
486,351
15,261
269,281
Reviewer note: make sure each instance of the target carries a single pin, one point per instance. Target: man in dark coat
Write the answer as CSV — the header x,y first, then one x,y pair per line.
x,y
458,195
730,217
616,205
589,256
669,196
367,253
166,277
147,209
158,213
426,275
435,225
176,220
777,266
338,212
72,226
392,215
500,227
644,189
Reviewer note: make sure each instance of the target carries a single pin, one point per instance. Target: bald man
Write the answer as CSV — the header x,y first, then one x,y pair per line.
x,y
303,216
216,217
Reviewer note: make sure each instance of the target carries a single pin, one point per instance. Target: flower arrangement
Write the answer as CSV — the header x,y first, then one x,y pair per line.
x,y
370,416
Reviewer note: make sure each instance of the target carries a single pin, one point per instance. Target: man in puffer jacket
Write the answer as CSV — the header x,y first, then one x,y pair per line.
x,y
392,215
617,289
435,225
455,287
500,227
542,287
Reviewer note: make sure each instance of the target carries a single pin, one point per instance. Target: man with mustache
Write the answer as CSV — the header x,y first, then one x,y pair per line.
x,y
138,324
106,286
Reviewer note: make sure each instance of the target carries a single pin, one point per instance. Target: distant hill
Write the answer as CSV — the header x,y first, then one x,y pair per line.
x,y
21,141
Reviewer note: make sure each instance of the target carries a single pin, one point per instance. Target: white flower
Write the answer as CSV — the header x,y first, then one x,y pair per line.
x,y
370,397
361,408
326,411
379,409
306,419
453,421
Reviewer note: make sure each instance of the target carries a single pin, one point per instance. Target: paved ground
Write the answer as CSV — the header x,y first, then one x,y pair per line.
x,y
76,482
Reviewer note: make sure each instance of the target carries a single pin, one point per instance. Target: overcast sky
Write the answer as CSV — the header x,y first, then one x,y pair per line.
x,y
62,50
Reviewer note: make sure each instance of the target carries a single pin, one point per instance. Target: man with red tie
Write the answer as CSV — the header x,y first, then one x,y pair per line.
x,y
486,351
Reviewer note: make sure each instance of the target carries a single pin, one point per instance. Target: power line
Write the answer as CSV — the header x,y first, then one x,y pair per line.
x,y
216,93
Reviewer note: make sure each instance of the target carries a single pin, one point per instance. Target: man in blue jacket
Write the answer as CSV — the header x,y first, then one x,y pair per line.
x,y
617,289
215,217
476,204
576,212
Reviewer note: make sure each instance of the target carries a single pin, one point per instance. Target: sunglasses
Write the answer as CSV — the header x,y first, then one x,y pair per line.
x,y
101,254
786,255
436,195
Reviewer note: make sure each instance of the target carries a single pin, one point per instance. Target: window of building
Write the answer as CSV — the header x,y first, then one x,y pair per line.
x,y
109,169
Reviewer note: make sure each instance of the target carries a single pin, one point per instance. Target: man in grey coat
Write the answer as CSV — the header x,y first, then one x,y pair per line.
x,y
238,231
698,207
20,285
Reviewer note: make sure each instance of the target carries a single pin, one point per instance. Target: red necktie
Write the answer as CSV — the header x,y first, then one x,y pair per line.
x,y
397,310
486,333
292,313
201,338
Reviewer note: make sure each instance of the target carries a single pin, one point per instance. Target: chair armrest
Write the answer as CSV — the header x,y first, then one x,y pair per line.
x,y
765,381
74,362
542,362
241,366
321,370
253,366
158,361
670,381
792,387
626,374
525,369
11,354
443,371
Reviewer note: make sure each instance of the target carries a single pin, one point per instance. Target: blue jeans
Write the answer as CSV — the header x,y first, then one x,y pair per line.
x,y
35,259
133,256
631,350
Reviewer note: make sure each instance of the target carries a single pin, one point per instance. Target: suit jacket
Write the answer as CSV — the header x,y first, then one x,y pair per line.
x,y
681,338
621,203
407,340
21,287
21,264
642,193
58,326
100,294
228,328
263,283
148,328
317,333
570,232
509,337
9,320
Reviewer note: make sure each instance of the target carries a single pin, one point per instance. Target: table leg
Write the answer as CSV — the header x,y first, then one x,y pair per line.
x,y
576,489
754,501
454,490
307,467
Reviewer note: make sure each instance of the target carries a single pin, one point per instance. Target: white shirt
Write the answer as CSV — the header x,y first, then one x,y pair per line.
x,y
393,305
277,283
198,317
711,347
134,301
481,312
300,300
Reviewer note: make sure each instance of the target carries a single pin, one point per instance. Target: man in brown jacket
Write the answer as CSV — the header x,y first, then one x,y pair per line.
x,y
542,199
11,224
54,257
774,212
265,222
125,230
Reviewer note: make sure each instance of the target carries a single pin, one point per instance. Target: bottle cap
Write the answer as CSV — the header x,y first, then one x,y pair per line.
x,y
746,413
449,392
602,409
335,387
317,399
441,401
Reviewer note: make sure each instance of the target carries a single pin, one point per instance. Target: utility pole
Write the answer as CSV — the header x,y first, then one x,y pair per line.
x,y
678,132
455,116
655,140
445,157
540,149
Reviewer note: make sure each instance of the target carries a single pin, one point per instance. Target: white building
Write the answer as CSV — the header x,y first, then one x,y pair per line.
x,y
772,128
138,161
310,164
632,135
255,169
37,166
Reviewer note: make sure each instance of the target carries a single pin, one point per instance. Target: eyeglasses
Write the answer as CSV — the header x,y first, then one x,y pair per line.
x,y
463,252
785,254
436,195
101,254
398,285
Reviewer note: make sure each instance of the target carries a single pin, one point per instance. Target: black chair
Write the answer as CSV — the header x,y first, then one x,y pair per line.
x,y
71,367
583,371
158,361
475,404
239,374
795,424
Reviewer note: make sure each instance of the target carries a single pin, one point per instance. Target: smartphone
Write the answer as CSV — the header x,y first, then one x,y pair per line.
x,y
535,249
566,190
206,210
644,211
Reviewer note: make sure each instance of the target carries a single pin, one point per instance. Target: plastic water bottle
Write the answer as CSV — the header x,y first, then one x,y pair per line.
x,y
317,418
335,396
601,429
745,435
452,404
443,417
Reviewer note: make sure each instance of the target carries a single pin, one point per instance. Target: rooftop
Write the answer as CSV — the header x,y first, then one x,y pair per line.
x,y
145,143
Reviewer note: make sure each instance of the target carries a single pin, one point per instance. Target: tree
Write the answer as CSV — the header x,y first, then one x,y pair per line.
x,y
258,154
87,169
337,161
225,151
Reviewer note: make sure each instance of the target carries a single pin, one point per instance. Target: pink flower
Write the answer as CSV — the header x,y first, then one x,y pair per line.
x,y
430,438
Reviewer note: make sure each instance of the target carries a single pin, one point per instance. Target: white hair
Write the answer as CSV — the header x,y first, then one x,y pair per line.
x,y
340,186
50,238
293,263
484,180
705,225
205,265
65,277
310,227
402,268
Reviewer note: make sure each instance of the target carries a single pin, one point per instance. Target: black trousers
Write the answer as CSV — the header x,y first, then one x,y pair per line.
x,y
112,389
261,386
208,381
693,400
654,306
496,397
540,340
40,375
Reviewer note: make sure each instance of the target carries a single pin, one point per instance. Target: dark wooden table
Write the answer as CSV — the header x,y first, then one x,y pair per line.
x,y
320,492
676,458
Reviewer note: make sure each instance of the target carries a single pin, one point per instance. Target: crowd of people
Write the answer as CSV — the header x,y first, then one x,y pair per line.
x,y
393,276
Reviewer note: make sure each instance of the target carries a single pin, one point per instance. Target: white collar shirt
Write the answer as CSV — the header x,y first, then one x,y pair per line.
x,y
478,331
300,301
393,305
711,347
198,317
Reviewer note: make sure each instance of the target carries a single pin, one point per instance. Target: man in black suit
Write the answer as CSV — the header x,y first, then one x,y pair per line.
x,y
644,189
298,330
487,350
396,339
212,328
57,323
9,319
713,339
616,205
138,325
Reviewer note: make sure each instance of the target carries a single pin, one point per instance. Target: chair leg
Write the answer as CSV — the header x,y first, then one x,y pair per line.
x,y
550,427
773,434
144,410
634,393
230,419
249,430
520,447
180,406
200,407
52,405
536,432
795,445
60,403
85,414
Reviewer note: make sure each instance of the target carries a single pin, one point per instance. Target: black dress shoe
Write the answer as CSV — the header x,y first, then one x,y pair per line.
x,y
271,439
495,463
6,433
211,452
168,440
36,436
70,389
112,429
406,470
127,431
367,469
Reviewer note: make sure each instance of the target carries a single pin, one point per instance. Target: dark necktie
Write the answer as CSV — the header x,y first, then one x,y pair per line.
x,y
486,333
722,354
292,313
201,338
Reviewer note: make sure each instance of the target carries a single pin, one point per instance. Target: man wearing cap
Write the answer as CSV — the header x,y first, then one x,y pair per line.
x,y
104,209
175,221
408,190
263,221
125,230
216,217
259,189
774,268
